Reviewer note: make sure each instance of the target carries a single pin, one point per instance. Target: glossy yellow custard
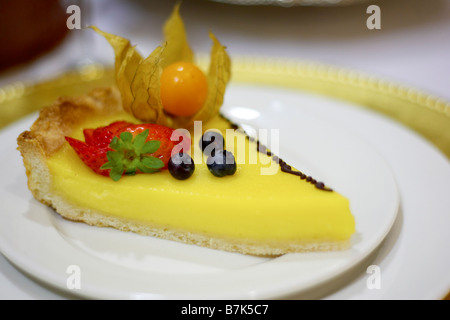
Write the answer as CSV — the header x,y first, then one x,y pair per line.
x,y
259,209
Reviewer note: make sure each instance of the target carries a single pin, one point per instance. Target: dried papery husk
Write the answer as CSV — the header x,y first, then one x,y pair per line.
x,y
139,79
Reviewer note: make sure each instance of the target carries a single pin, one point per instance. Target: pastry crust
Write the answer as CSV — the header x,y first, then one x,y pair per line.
x,y
59,119
46,136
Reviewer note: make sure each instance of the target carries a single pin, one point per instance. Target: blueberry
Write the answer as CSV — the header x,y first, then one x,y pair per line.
x,y
181,166
222,163
211,141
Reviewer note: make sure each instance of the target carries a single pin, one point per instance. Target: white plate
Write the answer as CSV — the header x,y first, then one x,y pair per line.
x,y
114,264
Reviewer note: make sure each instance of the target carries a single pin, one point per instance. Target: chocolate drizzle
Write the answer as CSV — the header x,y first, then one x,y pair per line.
x,y
284,167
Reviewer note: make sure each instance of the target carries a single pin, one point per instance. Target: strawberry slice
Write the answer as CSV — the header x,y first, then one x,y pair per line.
x,y
159,133
125,148
92,156
101,137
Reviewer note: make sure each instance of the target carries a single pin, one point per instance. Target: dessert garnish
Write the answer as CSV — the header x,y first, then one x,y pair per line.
x,y
181,166
129,155
183,89
222,163
123,148
167,89
145,84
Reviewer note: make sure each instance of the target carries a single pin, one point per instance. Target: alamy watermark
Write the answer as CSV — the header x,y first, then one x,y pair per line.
x,y
73,281
374,279
74,20
374,20
234,139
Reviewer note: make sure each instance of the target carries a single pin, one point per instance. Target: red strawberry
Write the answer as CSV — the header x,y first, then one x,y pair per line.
x,y
159,133
93,151
93,157
101,137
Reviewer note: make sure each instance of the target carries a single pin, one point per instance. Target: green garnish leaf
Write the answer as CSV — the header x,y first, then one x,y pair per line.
x,y
130,155
151,146
139,141
114,144
145,169
126,137
116,172
152,162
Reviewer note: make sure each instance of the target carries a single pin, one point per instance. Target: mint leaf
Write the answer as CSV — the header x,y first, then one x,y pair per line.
x,y
128,155
145,169
126,137
115,145
152,162
139,141
151,146
107,165
114,160
116,172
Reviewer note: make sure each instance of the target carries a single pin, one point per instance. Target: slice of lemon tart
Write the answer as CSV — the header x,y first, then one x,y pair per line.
x,y
238,209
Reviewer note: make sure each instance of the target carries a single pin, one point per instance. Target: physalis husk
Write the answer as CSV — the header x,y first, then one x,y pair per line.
x,y
138,78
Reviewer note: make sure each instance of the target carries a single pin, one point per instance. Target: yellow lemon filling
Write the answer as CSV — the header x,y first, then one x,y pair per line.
x,y
246,206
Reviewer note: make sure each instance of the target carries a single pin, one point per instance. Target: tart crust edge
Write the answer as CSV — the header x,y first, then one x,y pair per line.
x,y
54,122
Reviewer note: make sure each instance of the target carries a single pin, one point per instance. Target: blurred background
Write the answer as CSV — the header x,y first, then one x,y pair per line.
x,y
411,48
